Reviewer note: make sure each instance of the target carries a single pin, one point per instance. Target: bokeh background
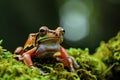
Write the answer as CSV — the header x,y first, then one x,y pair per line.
x,y
87,22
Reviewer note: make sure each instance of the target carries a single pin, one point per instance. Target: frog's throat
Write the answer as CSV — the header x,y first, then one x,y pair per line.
x,y
44,50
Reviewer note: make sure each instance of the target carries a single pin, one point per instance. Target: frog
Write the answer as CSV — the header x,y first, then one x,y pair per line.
x,y
45,43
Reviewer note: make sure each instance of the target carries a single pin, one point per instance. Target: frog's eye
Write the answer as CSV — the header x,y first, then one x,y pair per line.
x,y
43,31
63,31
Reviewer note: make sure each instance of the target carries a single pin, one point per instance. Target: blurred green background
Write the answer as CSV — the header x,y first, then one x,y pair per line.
x,y
87,22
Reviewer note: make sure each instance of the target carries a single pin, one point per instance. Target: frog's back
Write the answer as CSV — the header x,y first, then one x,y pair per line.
x,y
31,40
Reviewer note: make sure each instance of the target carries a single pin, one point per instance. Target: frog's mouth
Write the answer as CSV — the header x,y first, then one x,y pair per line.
x,y
43,39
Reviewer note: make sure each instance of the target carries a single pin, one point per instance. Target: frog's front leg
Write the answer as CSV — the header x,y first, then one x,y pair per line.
x,y
27,57
67,60
18,53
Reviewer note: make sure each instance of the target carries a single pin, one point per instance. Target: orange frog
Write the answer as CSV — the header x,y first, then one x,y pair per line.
x,y
44,44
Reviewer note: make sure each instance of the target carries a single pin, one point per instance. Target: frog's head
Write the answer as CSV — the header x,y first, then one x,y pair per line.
x,y
46,34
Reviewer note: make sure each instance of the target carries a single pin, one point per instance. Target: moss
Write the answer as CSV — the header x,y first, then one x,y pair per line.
x,y
11,69
109,53
87,62
104,64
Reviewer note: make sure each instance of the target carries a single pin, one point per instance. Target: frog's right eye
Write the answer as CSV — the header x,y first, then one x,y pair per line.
x,y
43,30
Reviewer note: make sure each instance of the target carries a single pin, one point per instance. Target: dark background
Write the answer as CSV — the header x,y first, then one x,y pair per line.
x,y
18,18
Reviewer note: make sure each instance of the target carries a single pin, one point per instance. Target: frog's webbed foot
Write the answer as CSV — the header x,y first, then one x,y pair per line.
x,y
74,63
71,66
69,62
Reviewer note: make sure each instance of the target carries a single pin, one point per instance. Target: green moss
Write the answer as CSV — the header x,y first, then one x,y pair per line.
x,y
104,64
11,69
109,53
87,62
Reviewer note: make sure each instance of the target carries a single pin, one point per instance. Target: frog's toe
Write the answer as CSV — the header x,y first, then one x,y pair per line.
x,y
76,66
18,57
42,72
73,64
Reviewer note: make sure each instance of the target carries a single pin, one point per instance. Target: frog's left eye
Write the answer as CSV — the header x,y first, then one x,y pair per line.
x,y
43,30
63,31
